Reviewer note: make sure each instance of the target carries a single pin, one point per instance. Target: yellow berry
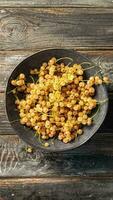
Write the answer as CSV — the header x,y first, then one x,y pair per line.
x,y
79,131
29,150
46,144
106,79
13,82
21,76
79,72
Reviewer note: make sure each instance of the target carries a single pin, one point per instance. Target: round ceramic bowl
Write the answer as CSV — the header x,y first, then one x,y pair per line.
x,y
27,134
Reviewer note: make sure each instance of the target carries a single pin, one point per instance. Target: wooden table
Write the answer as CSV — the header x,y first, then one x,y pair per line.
x,y
27,26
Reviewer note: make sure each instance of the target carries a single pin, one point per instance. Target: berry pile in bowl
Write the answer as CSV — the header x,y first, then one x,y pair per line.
x,y
58,100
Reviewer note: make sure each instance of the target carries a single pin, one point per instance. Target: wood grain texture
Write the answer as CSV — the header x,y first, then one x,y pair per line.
x,y
86,172
58,3
57,189
94,158
31,28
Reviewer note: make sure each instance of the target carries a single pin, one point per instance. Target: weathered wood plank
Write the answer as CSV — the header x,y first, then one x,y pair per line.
x,y
10,59
95,158
57,189
31,28
5,127
54,3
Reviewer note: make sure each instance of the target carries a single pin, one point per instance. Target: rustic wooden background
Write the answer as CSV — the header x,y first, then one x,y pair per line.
x,y
27,26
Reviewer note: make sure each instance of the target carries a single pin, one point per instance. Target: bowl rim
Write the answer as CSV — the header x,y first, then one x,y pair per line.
x,y
42,147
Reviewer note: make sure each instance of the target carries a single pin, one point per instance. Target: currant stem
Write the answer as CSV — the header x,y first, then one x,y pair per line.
x,y
98,72
64,58
39,137
15,95
96,112
32,79
89,68
16,120
85,63
101,102
11,91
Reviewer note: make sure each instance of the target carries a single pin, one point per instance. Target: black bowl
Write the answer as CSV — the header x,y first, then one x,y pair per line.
x,y
26,133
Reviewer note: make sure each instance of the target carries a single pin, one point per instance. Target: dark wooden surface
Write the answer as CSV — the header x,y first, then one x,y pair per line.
x,y
31,28
56,3
28,26
63,188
